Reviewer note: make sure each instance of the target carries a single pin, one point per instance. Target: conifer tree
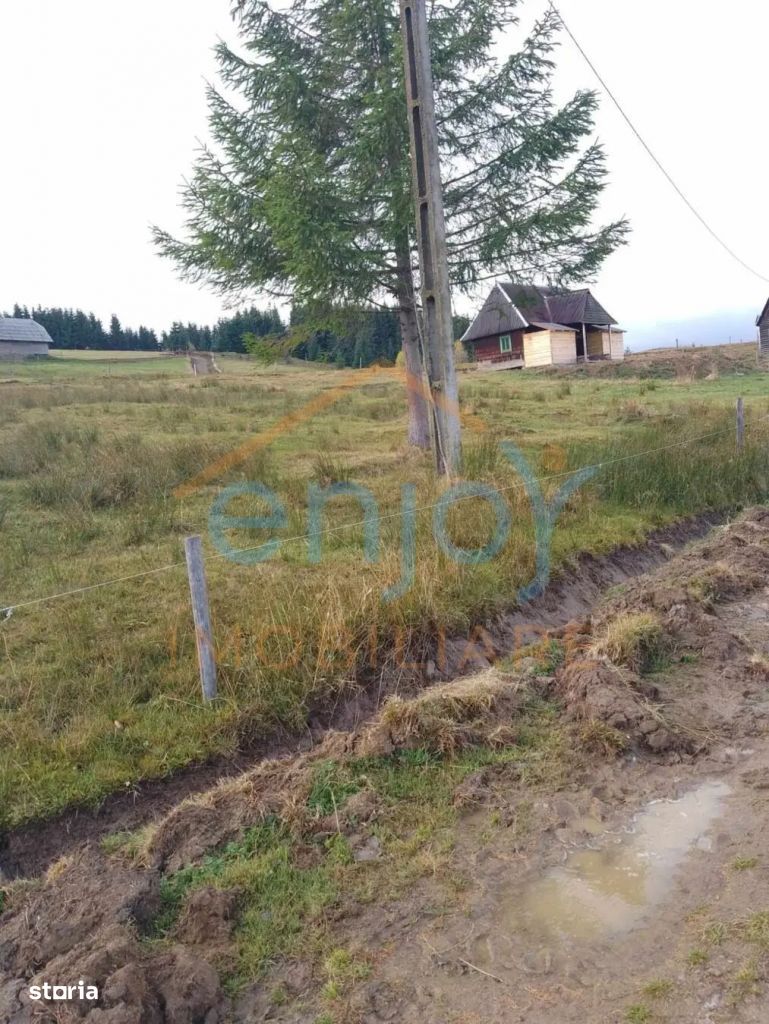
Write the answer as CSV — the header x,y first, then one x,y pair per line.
x,y
305,187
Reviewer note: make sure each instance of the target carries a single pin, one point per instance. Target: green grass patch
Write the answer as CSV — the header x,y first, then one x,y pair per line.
x,y
101,691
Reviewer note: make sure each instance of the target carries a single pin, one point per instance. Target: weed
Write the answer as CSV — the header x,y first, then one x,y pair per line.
x,y
130,846
714,933
327,470
634,639
279,995
697,957
342,970
480,458
330,788
658,989
757,929
598,737
745,981
638,1014
744,863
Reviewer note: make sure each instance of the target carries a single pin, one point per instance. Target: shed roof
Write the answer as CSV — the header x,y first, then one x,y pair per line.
x,y
763,316
23,329
550,327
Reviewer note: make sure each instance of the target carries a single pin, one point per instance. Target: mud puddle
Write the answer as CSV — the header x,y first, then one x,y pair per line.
x,y
613,886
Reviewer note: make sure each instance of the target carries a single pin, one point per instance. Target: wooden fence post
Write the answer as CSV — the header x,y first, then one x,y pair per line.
x,y
204,642
740,424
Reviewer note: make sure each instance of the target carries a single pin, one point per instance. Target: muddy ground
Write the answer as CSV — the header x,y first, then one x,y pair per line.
x,y
630,886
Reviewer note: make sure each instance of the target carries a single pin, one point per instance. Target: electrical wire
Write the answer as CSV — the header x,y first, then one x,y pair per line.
x,y
649,150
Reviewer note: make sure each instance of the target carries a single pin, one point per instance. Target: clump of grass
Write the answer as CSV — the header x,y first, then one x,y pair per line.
x,y
600,738
638,1014
745,980
658,989
130,846
563,390
280,899
697,957
744,863
634,639
480,458
330,788
327,470
342,969
631,411
714,933
756,929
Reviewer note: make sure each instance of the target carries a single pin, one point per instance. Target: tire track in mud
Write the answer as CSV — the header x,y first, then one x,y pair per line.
x,y
28,850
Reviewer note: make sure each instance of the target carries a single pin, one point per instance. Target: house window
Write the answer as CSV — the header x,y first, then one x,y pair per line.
x,y
505,343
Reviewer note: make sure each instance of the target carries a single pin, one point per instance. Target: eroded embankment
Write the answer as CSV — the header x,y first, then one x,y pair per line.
x,y
86,916
30,849
660,677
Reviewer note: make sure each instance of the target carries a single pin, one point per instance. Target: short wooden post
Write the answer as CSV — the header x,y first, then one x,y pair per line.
x,y
740,424
204,642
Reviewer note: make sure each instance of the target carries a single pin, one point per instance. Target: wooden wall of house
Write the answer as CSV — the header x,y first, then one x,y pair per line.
x,y
563,345
763,334
536,349
22,349
597,344
488,348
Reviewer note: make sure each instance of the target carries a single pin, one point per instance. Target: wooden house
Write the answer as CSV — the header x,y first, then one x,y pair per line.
x,y
21,338
527,325
762,323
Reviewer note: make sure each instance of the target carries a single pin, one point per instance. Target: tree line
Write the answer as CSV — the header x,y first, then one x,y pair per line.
x,y
349,338
72,328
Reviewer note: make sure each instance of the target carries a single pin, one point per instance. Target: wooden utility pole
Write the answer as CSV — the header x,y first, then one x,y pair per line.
x,y
431,237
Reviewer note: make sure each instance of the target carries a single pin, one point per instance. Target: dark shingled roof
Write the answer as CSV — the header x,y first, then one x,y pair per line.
x,y
23,329
538,305
763,316
497,316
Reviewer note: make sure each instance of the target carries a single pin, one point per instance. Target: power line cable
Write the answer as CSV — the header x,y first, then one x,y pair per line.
x,y
516,485
649,150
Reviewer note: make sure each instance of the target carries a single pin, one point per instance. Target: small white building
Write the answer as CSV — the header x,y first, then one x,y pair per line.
x,y
21,338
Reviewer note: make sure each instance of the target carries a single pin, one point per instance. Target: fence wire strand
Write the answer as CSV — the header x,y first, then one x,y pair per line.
x,y
9,609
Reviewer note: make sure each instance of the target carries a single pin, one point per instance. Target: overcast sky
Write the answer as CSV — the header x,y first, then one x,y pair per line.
x,y
102,102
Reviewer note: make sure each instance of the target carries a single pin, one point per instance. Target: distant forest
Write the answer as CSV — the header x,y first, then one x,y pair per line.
x,y
358,339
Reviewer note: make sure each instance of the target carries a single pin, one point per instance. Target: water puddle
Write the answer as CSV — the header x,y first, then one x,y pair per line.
x,y
602,892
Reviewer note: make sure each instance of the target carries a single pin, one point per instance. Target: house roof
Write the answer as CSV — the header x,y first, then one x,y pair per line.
x,y
519,305
23,329
763,316
498,315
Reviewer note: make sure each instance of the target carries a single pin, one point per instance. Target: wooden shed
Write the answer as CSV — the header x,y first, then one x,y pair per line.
x,y
531,325
22,338
763,331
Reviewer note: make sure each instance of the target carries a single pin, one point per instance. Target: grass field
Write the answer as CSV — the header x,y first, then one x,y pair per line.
x,y
100,690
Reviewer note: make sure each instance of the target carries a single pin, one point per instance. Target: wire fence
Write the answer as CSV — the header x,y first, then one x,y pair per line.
x,y
516,485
